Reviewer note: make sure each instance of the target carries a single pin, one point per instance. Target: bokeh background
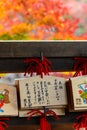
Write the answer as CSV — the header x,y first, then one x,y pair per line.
x,y
43,20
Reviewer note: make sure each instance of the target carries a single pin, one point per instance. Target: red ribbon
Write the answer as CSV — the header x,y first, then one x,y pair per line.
x,y
37,65
44,124
40,66
81,122
80,66
3,125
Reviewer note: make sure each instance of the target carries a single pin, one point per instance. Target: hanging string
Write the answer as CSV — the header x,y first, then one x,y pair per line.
x,y
80,66
37,65
3,125
40,66
81,122
44,124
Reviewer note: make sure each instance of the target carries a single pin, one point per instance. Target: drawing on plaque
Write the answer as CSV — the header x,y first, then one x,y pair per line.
x,y
83,91
4,98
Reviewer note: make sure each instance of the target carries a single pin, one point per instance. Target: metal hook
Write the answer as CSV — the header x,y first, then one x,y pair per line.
x,y
44,108
41,54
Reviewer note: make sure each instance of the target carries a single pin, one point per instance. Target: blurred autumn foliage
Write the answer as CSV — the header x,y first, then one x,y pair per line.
x,y
39,20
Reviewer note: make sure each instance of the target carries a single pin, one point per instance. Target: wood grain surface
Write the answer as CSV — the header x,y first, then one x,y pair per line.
x,y
49,49
36,127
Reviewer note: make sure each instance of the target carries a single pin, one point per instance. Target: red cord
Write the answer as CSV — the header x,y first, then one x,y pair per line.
x,y
52,113
80,66
39,66
44,124
33,112
81,122
3,125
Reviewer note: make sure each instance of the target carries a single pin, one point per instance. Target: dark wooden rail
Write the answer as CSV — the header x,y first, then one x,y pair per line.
x,y
50,49
61,54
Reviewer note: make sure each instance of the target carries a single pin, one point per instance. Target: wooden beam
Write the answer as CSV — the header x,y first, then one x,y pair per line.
x,y
65,119
10,65
49,48
67,126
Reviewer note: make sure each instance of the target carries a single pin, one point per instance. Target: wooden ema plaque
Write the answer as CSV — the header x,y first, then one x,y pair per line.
x,y
77,88
38,92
